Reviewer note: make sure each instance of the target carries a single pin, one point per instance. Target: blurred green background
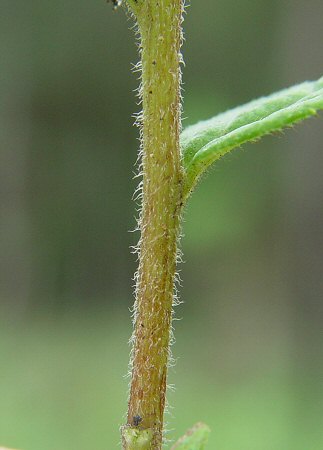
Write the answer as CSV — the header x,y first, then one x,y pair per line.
x,y
249,348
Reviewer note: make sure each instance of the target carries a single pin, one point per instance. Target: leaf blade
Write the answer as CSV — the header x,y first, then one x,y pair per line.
x,y
205,142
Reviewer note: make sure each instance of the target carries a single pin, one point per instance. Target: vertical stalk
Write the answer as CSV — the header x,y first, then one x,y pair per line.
x,y
159,23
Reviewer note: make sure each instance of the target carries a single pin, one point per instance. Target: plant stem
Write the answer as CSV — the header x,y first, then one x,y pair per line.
x,y
159,24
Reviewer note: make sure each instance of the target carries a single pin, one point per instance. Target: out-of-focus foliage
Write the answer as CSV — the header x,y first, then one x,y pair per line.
x,y
250,343
194,439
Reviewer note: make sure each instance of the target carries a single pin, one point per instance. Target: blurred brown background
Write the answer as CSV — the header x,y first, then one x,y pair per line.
x,y
249,347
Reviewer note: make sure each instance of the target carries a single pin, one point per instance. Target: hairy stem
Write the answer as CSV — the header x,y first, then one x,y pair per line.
x,y
159,24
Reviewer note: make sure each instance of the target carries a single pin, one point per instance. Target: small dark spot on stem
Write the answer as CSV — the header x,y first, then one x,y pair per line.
x,y
136,420
154,62
150,92
115,3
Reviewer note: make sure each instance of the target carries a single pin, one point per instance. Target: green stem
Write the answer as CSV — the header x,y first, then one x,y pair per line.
x,y
159,24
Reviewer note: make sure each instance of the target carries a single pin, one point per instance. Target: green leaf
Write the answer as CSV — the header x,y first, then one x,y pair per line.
x,y
194,439
205,142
